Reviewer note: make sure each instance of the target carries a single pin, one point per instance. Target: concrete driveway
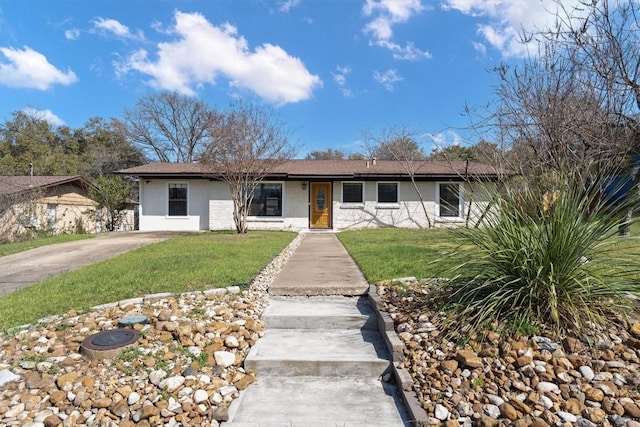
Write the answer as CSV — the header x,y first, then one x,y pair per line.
x,y
26,268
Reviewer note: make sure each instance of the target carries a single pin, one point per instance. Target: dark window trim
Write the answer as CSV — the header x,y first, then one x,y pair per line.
x,y
271,207
397,198
184,185
442,207
361,192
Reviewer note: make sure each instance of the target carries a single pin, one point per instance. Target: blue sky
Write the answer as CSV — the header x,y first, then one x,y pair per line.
x,y
329,68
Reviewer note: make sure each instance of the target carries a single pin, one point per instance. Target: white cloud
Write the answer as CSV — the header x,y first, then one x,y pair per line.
x,y
202,52
480,48
287,5
387,78
445,139
72,34
340,77
387,13
46,115
505,20
115,28
30,69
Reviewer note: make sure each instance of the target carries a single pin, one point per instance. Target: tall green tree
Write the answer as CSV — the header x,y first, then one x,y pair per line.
x,y
108,148
26,140
328,154
98,148
454,152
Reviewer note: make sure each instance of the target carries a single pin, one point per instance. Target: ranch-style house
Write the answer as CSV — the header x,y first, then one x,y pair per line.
x,y
316,194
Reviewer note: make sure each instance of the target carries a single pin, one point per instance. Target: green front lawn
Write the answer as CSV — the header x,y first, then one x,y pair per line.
x,y
389,253
181,264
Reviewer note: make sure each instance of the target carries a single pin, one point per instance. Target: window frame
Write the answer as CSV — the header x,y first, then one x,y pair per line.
x,y
281,204
361,201
169,200
397,200
439,204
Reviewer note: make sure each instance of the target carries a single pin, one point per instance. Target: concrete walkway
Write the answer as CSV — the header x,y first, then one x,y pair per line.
x,y
320,266
321,359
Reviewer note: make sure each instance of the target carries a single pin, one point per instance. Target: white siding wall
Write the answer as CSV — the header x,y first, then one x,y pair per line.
x,y
210,207
154,205
407,213
294,209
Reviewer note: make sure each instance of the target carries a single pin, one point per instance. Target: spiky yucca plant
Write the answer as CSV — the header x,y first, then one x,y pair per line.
x,y
553,265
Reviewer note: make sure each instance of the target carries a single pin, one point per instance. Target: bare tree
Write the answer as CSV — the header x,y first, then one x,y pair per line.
x,y
399,143
602,37
553,119
247,143
396,143
169,127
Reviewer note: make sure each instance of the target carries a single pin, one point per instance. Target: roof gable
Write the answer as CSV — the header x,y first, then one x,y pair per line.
x,y
20,184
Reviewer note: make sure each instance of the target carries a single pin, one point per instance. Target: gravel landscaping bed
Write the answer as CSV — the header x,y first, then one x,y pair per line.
x,y
500,380
185,369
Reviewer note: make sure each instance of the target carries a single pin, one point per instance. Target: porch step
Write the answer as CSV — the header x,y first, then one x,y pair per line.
x,y
318,364
315,402
312,352
319,313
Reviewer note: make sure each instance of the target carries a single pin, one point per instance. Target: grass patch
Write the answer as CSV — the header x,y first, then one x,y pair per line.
x,y
181,264
12,248
389,253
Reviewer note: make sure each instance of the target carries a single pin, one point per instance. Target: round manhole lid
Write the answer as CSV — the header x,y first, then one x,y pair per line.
x,y
107,344
113,338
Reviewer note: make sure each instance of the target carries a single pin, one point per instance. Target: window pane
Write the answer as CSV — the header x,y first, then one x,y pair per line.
x,y
352,192
449,200
388,192
177,199
267,200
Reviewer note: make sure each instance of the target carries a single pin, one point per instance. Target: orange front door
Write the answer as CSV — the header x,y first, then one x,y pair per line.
x,y
320,205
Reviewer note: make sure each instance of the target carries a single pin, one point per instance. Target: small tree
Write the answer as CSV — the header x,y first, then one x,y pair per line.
x,y
111,193
247,142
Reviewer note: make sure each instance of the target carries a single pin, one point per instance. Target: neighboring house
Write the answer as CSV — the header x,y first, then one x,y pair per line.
x,y
315,194
49,204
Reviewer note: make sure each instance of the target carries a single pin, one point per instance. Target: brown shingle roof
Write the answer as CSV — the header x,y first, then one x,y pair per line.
x,y
18,184
325,169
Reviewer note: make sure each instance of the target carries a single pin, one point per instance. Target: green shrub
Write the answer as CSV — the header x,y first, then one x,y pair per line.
x,y
554,265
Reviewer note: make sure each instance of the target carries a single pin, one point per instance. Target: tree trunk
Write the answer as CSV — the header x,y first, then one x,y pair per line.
x,y
424,208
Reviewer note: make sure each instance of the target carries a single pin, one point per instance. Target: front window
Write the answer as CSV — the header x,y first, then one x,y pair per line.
x,y
352,192
177,199
387,192
267,200
449,200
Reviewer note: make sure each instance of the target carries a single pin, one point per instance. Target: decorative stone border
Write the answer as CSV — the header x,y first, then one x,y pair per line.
x,y
131,301
403,378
